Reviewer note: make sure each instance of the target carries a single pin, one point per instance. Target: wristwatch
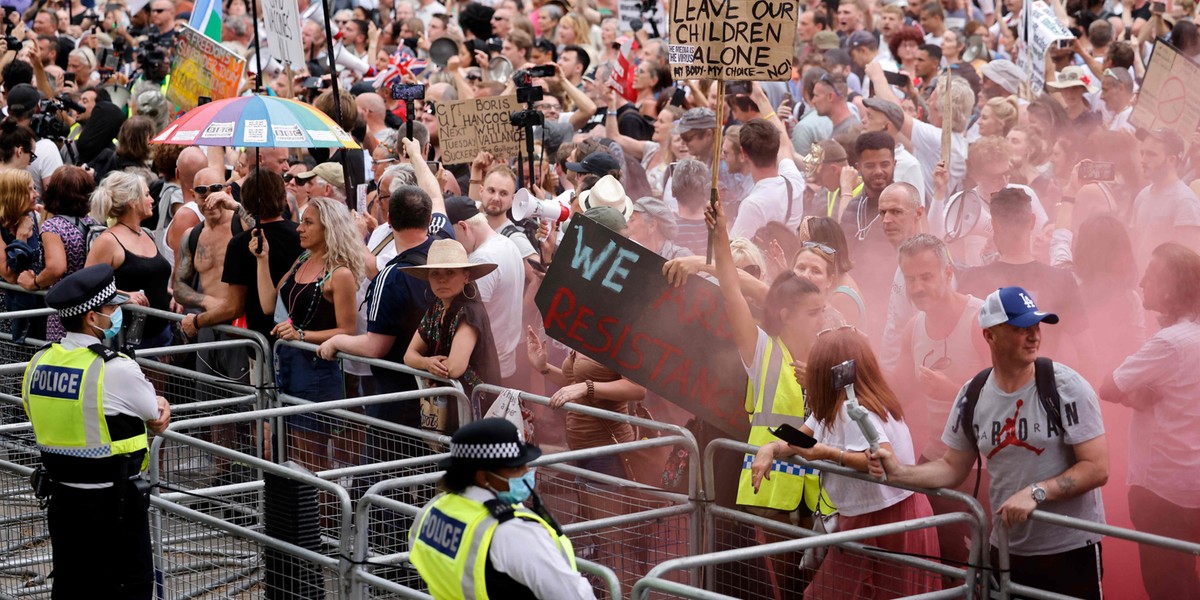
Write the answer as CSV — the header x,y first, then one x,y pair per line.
x,y
1038,492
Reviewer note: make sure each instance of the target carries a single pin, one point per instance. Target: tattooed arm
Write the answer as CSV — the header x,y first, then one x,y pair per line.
x,y
185,271
1090,471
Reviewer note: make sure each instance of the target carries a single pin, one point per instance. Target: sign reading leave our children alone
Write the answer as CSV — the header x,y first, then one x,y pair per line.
x,y
732,39
606,297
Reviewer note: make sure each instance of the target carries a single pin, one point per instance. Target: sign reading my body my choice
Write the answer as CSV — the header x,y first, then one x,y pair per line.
x,y
606,297
732,39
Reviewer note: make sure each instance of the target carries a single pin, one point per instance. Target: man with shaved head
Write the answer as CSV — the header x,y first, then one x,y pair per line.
x,y
373,110
901,214
183,210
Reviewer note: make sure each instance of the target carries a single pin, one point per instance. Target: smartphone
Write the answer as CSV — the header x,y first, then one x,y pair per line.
x,y
68,77
793,436
1097,171
1158,7
435,167
110,62
899,80
1064,44
678,97
407,91
844,375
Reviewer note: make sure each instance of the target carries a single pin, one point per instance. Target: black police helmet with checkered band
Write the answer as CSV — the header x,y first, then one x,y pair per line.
x,y
488,444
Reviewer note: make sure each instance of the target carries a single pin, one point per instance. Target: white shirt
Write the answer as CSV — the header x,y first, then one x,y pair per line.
x,y
425,13
854,497
523,550
899,311
908,170
1120,121
768,202
49,159
126,389
500,291
927,148
160,237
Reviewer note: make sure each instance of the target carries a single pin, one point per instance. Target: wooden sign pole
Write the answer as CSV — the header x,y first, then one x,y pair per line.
x,y
714,197
947,120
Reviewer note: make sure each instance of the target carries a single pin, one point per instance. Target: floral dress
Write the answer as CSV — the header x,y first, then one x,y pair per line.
x,y
70,231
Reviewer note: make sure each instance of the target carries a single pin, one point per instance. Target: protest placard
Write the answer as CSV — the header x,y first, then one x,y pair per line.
x,y
732,39
1040,30
606,297
202,67
469,126
1170,94
282,18
634,16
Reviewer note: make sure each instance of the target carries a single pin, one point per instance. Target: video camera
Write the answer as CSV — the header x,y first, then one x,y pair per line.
x,y
527,93
47,123
154,56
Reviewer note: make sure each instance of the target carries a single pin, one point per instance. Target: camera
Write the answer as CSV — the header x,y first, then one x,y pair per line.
x,y
527,93
494,45
527,118
154,56
407,91
47,123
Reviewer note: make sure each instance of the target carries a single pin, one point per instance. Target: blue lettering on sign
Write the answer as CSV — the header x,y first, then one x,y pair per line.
x,y
589,266
55,382
442,533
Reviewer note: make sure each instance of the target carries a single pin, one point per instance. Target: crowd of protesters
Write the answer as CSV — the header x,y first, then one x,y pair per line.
x,y
840,234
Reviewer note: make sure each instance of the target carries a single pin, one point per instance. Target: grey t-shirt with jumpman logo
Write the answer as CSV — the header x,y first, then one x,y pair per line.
x,y
1021,447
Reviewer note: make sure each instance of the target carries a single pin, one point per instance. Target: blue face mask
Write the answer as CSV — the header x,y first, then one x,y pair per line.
x,y
519,488
115,320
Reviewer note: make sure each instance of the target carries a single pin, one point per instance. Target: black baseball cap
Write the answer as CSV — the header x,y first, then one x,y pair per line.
x,y
597,163
460,208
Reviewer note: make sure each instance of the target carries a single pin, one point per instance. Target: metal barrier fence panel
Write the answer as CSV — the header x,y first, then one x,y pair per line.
x,y
780,576
24,540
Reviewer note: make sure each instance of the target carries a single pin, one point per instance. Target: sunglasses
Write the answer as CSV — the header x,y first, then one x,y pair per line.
x,y
819,246
208,189
499,18
158,10
940,364
753,271
32,156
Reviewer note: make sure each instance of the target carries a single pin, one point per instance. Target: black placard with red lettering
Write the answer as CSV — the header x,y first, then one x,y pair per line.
x,y
605,297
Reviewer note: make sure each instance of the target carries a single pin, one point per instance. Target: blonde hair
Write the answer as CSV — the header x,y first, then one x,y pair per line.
x,y
343,248
1006,110
115,195
744,251
962,102
582,30
14,197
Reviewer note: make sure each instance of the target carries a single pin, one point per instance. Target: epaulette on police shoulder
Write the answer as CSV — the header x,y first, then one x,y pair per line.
x,y
45,346
104,351
500,511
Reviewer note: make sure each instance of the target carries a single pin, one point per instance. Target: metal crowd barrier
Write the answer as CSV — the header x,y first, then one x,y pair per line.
x,y
655,580
620,528
199,558
730,531
1009,588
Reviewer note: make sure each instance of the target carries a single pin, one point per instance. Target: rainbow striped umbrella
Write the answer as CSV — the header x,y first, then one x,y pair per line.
x,y
256,122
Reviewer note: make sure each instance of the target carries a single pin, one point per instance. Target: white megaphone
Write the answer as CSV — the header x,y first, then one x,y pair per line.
x,y
349,60
556,210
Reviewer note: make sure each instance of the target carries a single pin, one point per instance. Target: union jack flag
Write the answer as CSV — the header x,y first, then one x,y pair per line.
x,y
400,64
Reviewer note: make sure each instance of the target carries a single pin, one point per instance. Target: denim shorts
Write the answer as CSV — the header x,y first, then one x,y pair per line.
x,y
303,375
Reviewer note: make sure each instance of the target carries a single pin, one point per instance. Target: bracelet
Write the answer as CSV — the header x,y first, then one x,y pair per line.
x,y
476,182
611,113
591,389
544,371
1067,199
841,458
35,285
196,320
768,115
301,332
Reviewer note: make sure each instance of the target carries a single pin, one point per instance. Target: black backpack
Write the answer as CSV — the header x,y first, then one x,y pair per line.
x,y
1047,391
526,227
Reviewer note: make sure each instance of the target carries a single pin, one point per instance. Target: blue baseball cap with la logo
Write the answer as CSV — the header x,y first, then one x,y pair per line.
x,y
1012,305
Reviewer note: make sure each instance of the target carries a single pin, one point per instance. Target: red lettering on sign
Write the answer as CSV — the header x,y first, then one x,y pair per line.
x,y
578,323
555,315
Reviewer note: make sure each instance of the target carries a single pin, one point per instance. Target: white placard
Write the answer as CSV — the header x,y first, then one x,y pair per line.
x,y
282,19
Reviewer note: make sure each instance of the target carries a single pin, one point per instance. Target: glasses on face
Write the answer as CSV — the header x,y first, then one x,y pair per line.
x,y
819,246
499,18
32,156
204,190
158,10
753,271
544,106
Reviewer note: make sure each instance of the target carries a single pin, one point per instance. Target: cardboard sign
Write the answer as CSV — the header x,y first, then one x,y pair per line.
x,y
1041,29
469,126
606,297
732,39
282,19
630,13
1170,94
202,67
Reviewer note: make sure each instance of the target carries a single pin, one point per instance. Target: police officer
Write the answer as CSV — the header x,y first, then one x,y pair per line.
x,y
477,540
99,528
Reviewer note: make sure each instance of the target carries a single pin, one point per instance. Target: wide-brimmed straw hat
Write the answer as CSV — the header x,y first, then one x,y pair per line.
x,y
449,254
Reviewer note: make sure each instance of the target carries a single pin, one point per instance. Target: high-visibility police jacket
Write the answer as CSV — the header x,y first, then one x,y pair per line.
x,y
449,545
63,394
774,397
